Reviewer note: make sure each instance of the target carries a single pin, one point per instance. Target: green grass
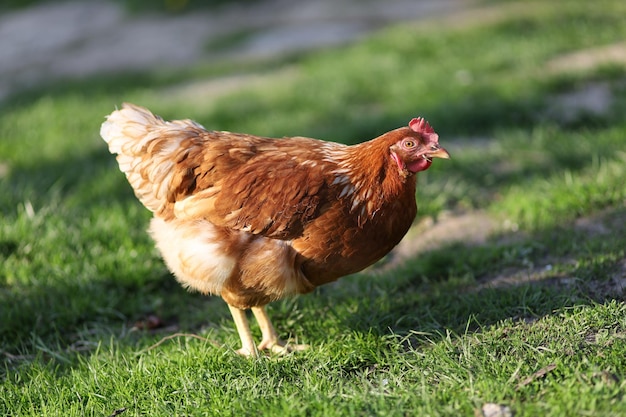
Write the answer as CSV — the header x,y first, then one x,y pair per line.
x,y
533,319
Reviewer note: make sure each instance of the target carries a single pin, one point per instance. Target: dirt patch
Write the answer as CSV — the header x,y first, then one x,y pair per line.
x,y
208,90
473,228
588,59
594,98
599,289
476,228
544,274
602,223
615,286
4,169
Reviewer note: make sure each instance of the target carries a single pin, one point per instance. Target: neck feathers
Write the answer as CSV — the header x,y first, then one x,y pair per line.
x,y
368,178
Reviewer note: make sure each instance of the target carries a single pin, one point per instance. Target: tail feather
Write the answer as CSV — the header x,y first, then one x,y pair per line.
x,y
147,149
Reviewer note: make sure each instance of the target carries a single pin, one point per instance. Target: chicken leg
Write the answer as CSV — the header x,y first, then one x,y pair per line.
x,y
270,340
247,343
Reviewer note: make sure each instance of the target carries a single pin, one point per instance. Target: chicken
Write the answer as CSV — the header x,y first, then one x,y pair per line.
x,y
255,219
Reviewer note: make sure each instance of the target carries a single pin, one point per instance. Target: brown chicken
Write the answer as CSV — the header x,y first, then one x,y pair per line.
x,y
256,219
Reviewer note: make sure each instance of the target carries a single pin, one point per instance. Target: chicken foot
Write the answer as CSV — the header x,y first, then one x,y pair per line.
x,y
270,340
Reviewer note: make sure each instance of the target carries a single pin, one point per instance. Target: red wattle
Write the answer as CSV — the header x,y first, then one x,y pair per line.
x,y
419,165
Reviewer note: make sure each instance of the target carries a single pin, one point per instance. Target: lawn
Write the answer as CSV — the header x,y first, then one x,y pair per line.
x,y
529,318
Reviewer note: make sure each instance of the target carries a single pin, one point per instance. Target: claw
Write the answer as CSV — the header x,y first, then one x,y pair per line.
x,y
246,353
281,348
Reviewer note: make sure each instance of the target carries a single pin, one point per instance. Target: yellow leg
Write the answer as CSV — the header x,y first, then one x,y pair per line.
x,y
270,339
247,343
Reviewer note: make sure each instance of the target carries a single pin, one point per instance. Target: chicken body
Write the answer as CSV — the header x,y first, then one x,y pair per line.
x,y
256,219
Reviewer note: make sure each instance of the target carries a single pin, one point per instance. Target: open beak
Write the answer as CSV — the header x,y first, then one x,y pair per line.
x,y
439,153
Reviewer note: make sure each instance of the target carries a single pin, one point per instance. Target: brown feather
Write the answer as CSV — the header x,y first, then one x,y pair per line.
x,y
255,219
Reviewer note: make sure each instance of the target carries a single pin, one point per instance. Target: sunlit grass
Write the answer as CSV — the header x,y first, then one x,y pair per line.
x,y
449,330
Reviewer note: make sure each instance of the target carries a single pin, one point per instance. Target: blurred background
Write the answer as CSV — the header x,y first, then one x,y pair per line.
x,y
43,41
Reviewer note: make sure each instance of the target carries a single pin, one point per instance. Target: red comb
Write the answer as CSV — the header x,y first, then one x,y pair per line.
x,y
422,127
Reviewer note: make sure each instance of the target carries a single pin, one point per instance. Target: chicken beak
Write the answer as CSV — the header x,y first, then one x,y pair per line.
x,y
439,153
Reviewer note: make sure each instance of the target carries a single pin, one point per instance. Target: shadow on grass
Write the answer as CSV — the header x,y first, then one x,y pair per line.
x,y
430,296
56,305
463,288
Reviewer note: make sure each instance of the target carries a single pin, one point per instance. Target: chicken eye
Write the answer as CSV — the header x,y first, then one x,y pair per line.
x,y
408,143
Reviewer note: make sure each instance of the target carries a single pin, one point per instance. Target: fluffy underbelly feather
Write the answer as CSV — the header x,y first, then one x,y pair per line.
x,y
194,253
206,258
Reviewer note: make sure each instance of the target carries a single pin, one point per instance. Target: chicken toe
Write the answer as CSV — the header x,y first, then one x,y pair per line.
x,y
270,340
